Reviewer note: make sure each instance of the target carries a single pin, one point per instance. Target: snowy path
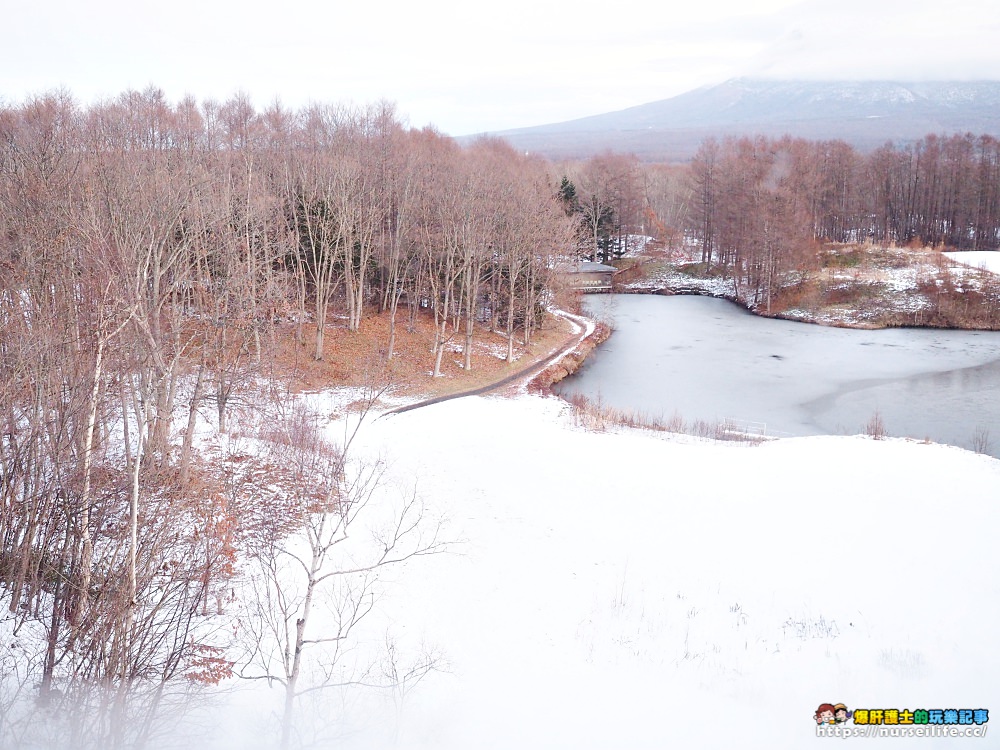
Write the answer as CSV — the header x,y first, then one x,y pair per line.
x,y
583,328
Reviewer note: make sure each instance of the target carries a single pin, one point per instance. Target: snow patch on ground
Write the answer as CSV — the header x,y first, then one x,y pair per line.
x,y
988,259
893,283
578,323
670,278
496,349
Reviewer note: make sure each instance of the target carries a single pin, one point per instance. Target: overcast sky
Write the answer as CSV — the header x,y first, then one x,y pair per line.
x,y
468,67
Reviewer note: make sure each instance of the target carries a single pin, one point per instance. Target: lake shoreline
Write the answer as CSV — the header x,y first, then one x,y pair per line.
x,y
571,361
799,316
667,291
863,287
712,362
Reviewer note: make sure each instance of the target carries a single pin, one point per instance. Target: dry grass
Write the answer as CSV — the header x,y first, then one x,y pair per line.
x,y
355,359
865,286
597,416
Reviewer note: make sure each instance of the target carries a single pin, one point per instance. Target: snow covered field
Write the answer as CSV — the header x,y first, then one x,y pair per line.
x,y
625,590
988,259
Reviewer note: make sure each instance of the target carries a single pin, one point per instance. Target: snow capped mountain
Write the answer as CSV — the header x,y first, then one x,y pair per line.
x,y
776,101
863,113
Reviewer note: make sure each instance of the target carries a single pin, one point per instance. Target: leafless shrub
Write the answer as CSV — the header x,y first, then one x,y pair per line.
x,y
348,533
875,427
701,428
981,442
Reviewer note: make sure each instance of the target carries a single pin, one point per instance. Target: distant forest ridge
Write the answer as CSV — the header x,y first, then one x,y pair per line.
x,y
761,210
759,206
865,114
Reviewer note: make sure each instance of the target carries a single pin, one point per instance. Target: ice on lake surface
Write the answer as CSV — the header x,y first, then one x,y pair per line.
x,y
709,359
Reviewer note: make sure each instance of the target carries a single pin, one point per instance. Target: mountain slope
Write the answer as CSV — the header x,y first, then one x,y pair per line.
x,y
863,113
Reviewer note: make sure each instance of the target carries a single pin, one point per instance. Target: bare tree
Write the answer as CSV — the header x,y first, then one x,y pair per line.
x,y
149,255
325,563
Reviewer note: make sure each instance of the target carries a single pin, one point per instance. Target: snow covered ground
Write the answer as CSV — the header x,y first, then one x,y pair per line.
x,y
988,259
632,590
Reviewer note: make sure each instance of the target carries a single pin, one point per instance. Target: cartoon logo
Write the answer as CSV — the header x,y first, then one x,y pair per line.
x,y
824,714
827,713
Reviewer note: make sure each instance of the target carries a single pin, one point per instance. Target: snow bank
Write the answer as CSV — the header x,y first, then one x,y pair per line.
x,y
988,259
640,590
628,590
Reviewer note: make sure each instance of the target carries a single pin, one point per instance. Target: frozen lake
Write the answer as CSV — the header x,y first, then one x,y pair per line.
x,y
709,359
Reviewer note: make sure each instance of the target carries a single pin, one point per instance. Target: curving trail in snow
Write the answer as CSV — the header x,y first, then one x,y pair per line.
x,y
583,327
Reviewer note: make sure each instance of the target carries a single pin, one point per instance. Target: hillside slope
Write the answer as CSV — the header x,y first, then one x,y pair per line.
x,y
863,113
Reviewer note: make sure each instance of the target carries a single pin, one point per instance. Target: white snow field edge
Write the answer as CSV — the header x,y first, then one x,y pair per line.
x,y
988,259
627,590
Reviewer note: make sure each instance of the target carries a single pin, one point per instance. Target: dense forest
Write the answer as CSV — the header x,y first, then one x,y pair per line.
x,y
762,208
151,253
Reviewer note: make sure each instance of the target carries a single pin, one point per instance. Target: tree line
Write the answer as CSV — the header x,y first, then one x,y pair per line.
x,y
761,206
